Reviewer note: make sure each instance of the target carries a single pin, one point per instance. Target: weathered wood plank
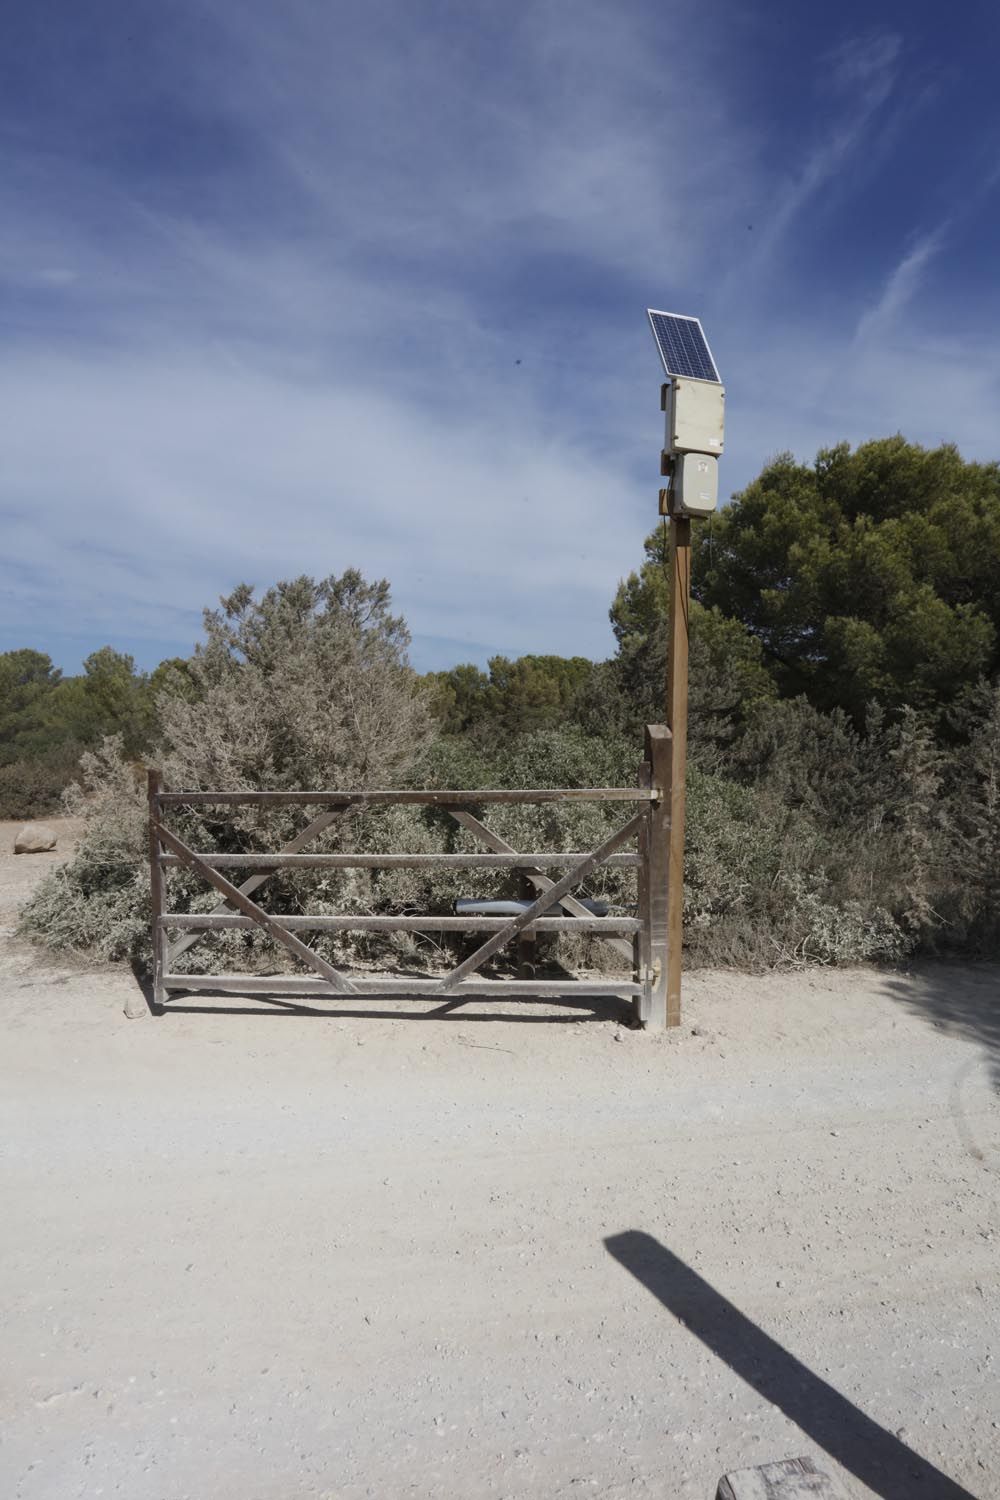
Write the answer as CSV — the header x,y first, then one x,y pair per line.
x,y
513,861
258,984
658,741
458,797
539,881
312,830
251,909
527,941
135,1005
792,1479
220,921
548,898
641,944
673,784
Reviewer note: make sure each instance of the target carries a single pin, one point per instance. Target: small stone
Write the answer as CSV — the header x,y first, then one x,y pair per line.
x,y
35,838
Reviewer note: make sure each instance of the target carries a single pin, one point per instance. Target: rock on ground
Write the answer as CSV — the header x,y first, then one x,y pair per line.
x,y
35,838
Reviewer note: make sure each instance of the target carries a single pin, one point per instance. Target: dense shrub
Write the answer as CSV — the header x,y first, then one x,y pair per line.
x,y
308,686
766,881
816,832
32,786
97,903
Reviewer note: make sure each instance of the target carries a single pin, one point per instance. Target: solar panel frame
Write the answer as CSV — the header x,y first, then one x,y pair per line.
x,y
677,343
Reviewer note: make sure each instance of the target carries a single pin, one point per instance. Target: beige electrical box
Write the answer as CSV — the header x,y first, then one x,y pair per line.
x,y
695,484
695,416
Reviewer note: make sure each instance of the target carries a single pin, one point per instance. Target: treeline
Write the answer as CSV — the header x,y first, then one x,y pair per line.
x,y
47,720
844,787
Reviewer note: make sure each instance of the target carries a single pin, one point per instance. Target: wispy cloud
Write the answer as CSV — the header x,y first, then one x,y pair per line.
x,y
342,371
901,285
860,75
867,63
288,289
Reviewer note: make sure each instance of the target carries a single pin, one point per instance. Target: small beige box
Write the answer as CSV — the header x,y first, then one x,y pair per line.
x,y
696,412
696,484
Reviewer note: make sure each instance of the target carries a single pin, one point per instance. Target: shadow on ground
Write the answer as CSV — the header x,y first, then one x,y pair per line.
x,y
958,999
861,1446
602,1008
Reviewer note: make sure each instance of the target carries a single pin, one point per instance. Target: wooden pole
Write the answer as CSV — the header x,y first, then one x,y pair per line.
x,y
157,904
677,723
656,884
641,961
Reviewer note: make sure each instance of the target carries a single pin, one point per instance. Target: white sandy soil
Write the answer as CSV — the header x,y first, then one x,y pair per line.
x,y
254,1254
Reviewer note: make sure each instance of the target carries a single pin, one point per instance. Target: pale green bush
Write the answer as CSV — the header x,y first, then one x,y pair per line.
x,y
806,842
97,903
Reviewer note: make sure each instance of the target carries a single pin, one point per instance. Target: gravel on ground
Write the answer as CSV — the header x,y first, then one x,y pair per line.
x,y
259,1253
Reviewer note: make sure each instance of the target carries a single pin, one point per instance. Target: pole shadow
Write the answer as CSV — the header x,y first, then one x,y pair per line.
x,y
145,986
860,1445
959,999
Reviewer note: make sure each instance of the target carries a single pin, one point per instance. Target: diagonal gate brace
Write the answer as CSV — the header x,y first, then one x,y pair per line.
x,y
548,898
235,897
312,830
538,880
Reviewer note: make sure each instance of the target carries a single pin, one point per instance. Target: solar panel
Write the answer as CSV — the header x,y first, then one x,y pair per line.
x,y
682,346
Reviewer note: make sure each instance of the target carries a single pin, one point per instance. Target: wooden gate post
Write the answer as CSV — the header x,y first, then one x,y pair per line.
x,y
156,886
653,884
677,723
527,947
641,963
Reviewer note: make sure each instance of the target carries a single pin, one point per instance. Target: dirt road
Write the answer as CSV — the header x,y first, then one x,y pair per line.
x,y
255,1255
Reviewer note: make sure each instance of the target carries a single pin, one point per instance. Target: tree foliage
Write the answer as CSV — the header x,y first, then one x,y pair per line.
x,y
727,672
306,686
48,720
867,576
514,697
27,681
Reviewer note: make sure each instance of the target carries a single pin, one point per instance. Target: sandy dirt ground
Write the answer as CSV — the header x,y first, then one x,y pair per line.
x,y
254,1254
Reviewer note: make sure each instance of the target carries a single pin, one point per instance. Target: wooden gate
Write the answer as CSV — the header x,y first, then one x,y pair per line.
x,y
640,842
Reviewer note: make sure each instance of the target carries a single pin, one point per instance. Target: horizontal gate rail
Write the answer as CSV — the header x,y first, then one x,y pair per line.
x,y
638,939
215,921
257,984
430,798
254,861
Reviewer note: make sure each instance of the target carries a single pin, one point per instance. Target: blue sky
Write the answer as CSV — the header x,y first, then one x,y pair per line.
x,y
294,287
